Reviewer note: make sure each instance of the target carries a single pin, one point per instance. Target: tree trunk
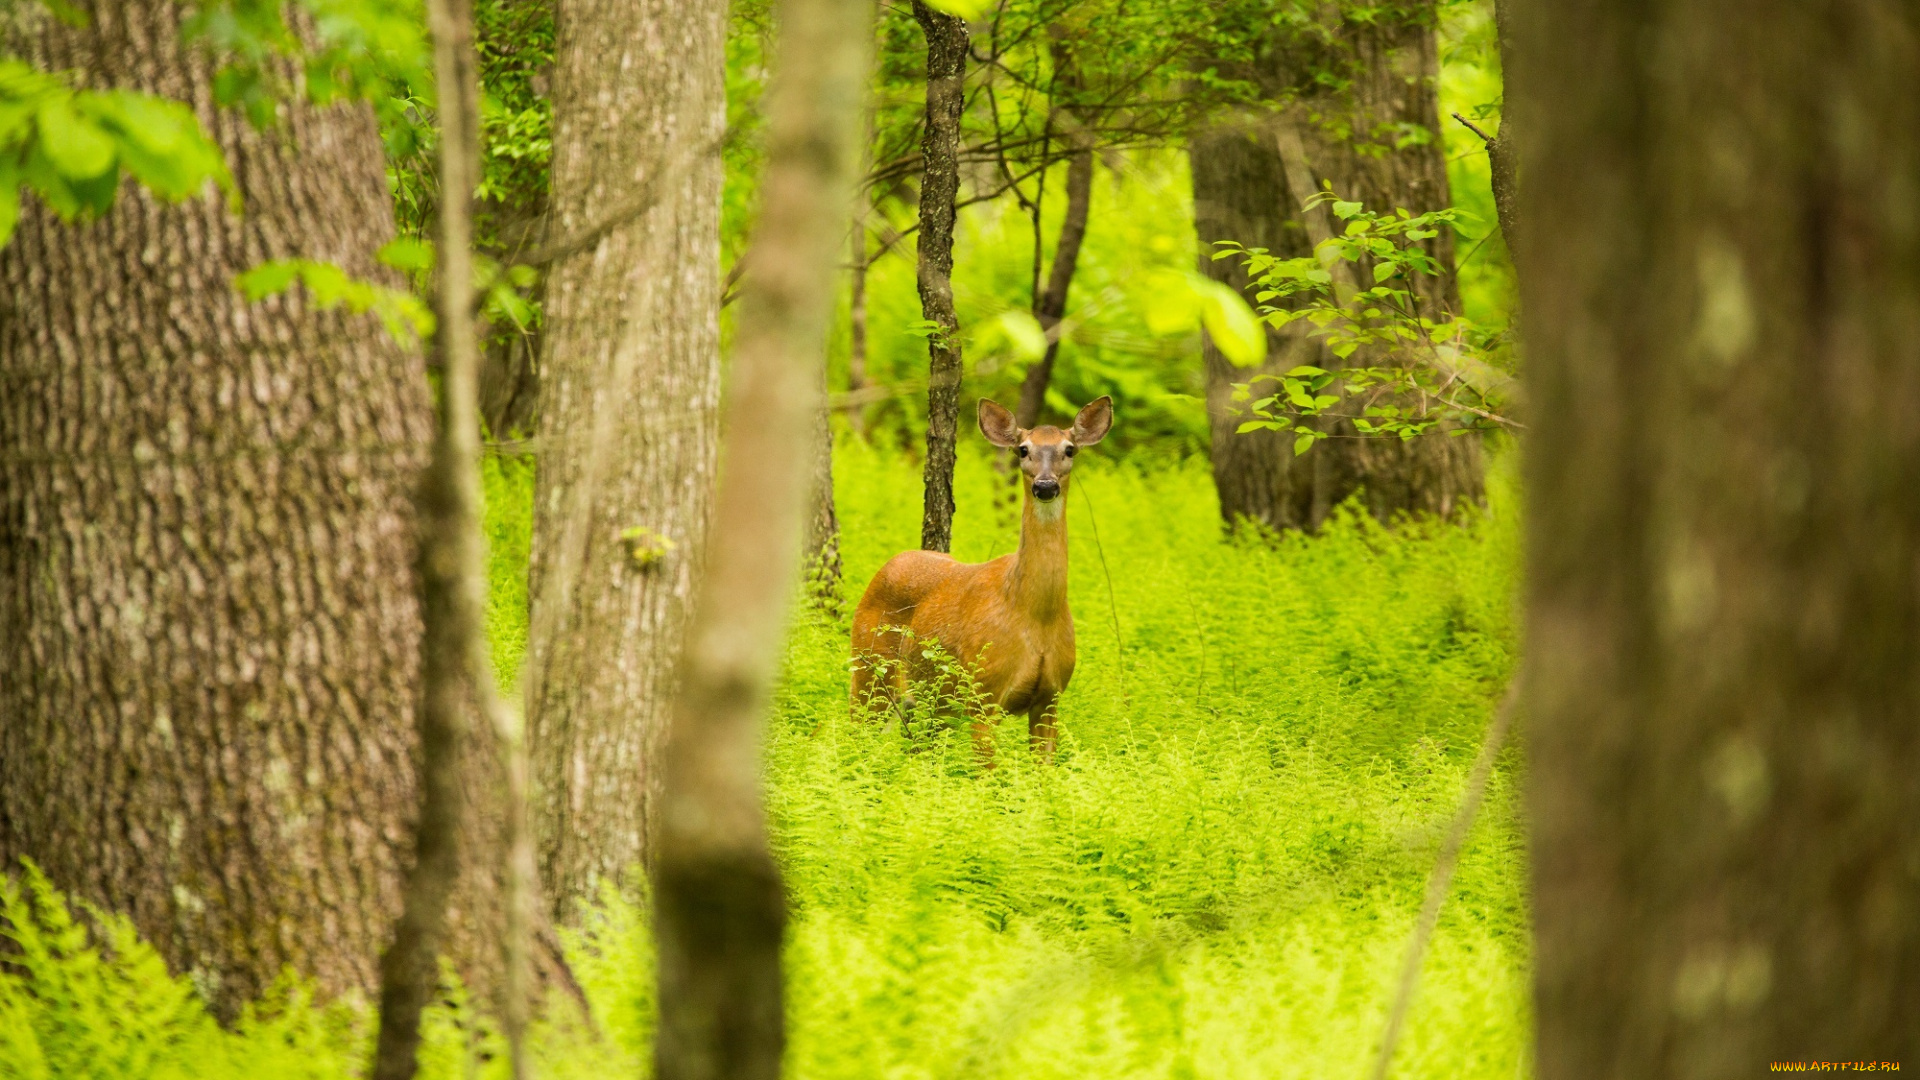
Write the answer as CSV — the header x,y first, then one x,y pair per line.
x,y
455,667
510,377
1353,137
857,323
719,909
1503,150
1237,181
822,551
1053,303
207,622
1724,525
628,419
940,149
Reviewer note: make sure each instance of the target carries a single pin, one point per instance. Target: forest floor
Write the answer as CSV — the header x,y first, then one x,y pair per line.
x,y
1216,877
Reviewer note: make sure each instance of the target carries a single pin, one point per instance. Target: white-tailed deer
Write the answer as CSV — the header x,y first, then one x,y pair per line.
x,y
1005,621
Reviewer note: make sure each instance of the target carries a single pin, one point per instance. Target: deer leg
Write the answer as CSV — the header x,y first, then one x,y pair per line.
x,y
1043,729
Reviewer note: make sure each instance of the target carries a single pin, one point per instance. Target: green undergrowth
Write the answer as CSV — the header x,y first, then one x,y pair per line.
x,y
1216,877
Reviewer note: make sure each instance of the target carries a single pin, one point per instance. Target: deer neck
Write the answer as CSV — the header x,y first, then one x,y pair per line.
x,y
1038,583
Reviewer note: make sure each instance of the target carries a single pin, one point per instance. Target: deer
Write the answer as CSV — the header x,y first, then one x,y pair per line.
x,y
1006,620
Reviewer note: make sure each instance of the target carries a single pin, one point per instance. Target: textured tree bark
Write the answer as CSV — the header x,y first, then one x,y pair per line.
x,y
719,909
1503,150
1053,302
207,620
454,664
947,41
1353,137
822,550
1724,597
1237,178
628,420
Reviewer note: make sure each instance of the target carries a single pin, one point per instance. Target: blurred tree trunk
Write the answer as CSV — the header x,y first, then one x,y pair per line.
x,y
628,418
1724,525
939,186
1377,139
208,628
719,912
1051,306
1053,302
454,666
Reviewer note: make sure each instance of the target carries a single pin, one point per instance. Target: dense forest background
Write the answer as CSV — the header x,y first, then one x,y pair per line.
x,y
424,619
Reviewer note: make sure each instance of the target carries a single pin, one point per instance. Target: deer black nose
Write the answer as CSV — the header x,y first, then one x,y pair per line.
x,y
1045,489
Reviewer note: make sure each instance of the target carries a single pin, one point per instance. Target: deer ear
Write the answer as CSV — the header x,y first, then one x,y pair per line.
x,y
997,424
1094,421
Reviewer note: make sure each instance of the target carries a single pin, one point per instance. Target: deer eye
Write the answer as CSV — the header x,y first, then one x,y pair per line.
x,y
1070,449
1023,450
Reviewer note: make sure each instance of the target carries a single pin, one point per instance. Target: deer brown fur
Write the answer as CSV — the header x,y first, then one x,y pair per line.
x,y
1005,621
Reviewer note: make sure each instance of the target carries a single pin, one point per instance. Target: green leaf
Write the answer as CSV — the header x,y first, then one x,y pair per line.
x,y
1235,330
1022,331
1171,305
268,279
966,9
73,143
1301,442
408,254
1344,210
9,208
1306,369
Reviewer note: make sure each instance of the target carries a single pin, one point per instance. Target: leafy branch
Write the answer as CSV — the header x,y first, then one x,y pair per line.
x,y
1433,373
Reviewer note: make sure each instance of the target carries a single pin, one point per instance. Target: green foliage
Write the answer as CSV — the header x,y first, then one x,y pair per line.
x,y
1261,747
71,147
1434,369
1180,301
1142,228
1470,85
84,998
1217,875
363,49
404,315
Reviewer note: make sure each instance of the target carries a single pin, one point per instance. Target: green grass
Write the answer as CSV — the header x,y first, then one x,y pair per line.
x,y
1216,878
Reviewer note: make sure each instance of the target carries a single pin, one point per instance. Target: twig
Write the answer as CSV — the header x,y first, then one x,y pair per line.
x,y
1484,137
1443,875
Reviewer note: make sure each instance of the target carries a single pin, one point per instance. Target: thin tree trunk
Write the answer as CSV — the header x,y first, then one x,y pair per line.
x,y
719,908
208,630
1053,303
1503,150
628,423
857,323
822,550
940,148
454,665
1724,527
